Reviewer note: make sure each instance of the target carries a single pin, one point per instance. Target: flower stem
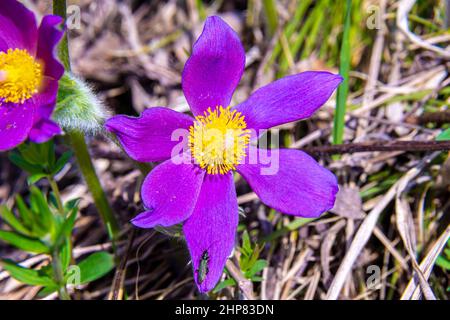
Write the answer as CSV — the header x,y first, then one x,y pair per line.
x,y
79,144
57,194
59,276
60,9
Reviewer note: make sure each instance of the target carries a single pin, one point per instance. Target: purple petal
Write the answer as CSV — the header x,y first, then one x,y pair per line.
x,y
169,194
43,127
16,121
210,230
44,130
45,100
18,28
292,183
48,37
215,67
149,137
289,99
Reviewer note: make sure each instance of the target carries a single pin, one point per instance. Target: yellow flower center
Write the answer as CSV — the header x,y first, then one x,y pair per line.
x,y
20,76
218,140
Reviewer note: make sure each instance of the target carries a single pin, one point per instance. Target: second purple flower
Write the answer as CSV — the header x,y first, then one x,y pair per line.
x,y
201,194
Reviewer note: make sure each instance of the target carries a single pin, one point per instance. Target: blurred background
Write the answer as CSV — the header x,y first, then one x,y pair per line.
x,y
397,52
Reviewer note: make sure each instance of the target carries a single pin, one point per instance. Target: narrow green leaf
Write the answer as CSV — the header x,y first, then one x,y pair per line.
x,y
257,279
344,68
224,284
61,162
246,244
23,242
66,228
39,205
69,205
47,291
299,222
25,213
95,266
33,178
257,267
30,152
23,164
201,9
443,263
444,136
66,254
270,9
25,275
254,257
9,217
51,153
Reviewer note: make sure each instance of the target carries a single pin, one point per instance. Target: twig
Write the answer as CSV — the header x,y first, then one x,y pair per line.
x,y
366,229
412,291
404,8
441,117
244,284
117,285
411,146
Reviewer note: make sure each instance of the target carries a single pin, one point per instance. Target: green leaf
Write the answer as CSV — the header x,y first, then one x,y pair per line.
x,y
95,266
443,263
66,254
299,222
256,279
33,223
47,291
39,205
69,205
224,284
254,257
246,243
444,136
25,275
30,152
51,153
344,68
9,217
23,242
258,266
41,154
66,228
62,161
270,9
33,178
23,164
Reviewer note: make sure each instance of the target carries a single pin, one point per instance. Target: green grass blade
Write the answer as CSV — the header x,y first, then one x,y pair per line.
x,y
270,10
344,67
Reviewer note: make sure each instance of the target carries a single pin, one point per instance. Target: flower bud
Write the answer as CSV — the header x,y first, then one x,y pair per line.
x,y
78,108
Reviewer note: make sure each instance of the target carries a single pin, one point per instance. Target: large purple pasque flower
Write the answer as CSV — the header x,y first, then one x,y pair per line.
x,y
201,194
29,74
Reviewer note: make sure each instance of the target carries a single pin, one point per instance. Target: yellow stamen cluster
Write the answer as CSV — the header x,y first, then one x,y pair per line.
x,y
218,140
21,76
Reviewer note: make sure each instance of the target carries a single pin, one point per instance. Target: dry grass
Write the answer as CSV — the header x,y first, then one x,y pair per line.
x,y
392,214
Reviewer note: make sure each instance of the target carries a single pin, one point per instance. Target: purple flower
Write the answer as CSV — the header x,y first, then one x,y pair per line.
x,y
202,194
29,74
